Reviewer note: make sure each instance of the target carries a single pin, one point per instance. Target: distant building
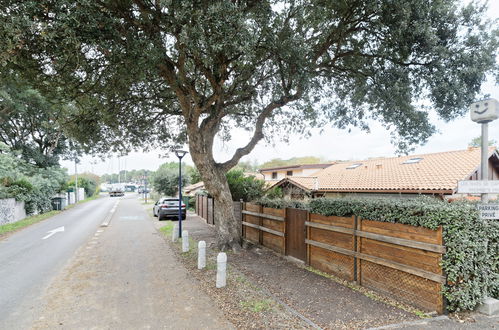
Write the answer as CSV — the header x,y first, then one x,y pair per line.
x,y
192,189
281,172
429,174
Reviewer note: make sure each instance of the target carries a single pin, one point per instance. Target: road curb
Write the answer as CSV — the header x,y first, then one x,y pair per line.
x,y
108,218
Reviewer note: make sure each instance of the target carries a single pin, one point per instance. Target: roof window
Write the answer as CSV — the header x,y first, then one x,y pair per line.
x,y
351,167
413,160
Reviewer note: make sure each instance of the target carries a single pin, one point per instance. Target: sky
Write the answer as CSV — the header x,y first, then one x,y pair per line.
x,y
331,144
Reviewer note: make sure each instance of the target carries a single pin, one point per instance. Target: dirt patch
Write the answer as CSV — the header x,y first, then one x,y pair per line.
x,y
266,290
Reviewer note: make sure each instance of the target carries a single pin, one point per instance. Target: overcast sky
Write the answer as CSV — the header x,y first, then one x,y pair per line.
x,y
332,144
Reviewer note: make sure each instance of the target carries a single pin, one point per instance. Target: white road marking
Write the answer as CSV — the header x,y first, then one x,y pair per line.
x,y
111,212
53,231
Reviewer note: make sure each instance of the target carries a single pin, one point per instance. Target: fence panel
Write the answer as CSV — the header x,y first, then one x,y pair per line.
x,y
401,282
295,233
210,216
251,233
339,264
270,239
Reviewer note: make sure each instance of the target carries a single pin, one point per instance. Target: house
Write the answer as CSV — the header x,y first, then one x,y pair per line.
x,y
192,189
278,173
405,176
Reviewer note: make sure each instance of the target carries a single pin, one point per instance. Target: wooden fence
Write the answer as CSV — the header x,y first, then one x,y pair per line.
x,y
205,208
396,260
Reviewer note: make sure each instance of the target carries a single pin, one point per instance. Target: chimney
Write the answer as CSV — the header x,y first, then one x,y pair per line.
x,y
378,166
316,183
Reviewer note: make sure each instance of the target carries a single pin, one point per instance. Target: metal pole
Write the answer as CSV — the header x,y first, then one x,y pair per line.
x,y
76,182
180,196
485,157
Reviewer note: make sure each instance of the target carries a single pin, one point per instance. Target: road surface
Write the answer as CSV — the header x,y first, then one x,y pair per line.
x,y
124,276
30,258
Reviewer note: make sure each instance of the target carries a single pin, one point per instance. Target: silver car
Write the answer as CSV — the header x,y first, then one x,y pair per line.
x,y
167,207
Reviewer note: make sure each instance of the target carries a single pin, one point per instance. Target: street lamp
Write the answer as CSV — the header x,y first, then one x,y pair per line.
x,y
180,154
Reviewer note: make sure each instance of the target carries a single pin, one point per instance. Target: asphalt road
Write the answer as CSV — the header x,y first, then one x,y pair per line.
x,y
28,262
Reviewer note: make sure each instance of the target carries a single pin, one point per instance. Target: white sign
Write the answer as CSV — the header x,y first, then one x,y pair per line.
x,y
478,187
488,211
484,111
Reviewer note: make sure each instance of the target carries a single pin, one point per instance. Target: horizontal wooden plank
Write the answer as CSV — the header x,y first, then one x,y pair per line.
x,y
329,227
262,215
268,230
401,241
383,238
395,265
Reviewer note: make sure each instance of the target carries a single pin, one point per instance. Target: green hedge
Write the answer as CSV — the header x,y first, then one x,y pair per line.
x,y
471,262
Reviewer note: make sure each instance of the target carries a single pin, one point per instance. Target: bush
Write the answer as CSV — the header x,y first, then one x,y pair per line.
x,y
24,182
246,188
471,261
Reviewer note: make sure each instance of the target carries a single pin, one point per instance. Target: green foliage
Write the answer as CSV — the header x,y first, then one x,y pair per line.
x,y
274,193
283,203
477,142
471,261
257,57
193,174
25,182
88,181
246,188
31,123
165,179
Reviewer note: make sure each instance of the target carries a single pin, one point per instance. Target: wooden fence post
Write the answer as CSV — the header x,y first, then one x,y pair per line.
x,y
260,223
358,242
307,237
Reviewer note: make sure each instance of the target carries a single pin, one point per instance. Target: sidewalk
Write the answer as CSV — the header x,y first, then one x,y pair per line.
x,y
125,277
321,300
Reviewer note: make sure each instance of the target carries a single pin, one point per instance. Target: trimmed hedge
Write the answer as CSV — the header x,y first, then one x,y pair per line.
x,y
471,262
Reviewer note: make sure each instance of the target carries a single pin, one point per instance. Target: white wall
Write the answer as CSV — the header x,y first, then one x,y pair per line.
x,y
11,211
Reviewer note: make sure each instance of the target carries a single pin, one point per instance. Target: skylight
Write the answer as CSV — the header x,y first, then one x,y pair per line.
x,y
413,161
351,167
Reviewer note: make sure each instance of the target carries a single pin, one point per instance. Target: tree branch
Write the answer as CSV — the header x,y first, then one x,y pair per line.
x,y
258,133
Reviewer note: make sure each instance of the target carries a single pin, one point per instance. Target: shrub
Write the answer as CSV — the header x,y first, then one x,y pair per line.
x,y
247,188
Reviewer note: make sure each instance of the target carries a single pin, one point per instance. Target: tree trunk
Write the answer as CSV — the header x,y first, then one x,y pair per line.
x,y
227,226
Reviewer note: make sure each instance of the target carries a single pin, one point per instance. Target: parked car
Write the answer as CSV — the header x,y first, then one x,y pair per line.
x,y
167,207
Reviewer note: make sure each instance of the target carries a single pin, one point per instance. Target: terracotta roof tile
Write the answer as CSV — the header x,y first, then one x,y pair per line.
x,y
436,171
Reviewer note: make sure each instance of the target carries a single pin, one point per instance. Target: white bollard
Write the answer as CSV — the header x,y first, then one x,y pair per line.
x,y
201,254
221,270
175,232
185,241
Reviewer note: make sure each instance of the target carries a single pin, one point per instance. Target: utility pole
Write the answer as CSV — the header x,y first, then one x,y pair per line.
x,y
76,181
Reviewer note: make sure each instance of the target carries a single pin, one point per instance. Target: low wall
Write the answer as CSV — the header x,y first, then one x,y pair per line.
x,y
11,211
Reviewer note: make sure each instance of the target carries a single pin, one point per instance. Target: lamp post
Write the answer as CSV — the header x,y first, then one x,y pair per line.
x,y
180,154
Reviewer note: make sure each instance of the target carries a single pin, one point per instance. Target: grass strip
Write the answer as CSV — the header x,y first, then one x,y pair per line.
x,y
28,221
10,227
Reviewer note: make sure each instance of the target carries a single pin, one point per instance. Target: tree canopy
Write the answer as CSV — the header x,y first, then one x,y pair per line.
x,y
171,72
31,124
477,142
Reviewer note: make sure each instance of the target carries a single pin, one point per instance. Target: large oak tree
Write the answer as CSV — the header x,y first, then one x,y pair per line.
x,y
173,71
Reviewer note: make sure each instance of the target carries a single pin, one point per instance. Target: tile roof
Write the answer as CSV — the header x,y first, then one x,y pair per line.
x,y
194,186
434,172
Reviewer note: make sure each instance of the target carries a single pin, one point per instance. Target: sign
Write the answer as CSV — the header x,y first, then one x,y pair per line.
x,y
488,211
478,187
484,111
